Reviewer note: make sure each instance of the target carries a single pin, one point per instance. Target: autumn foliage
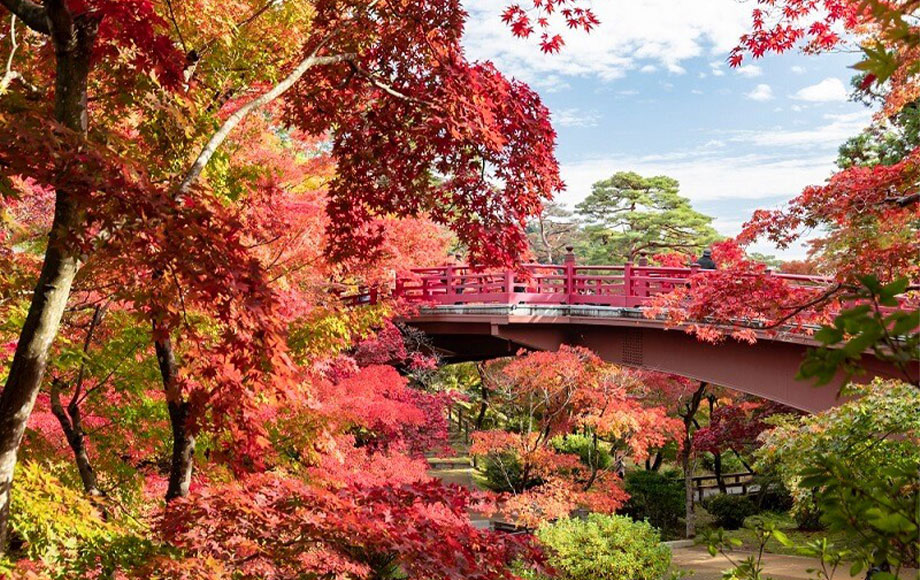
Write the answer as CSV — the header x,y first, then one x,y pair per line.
x,y
549,397
270,526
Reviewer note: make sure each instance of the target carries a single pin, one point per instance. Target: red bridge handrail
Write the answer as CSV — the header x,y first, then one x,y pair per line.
x,y
625,286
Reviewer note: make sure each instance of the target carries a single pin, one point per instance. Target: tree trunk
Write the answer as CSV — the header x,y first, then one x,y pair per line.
x,y
717,469
543,238
183,454
717,456
654,465
71,421
484,391
686,455
73,43
183,448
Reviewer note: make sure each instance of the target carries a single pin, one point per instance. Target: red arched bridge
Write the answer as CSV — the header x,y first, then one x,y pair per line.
x,y
472,315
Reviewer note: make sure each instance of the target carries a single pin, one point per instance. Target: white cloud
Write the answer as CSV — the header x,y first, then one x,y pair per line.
x,y
836,130
696,92
718,73
761,92
632,35
735,164
830,89
799,70
551,83
711,175
574,117
749,71
676,69
649,68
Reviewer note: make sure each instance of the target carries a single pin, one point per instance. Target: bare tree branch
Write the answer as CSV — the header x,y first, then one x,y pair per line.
x,y
10,74
237,117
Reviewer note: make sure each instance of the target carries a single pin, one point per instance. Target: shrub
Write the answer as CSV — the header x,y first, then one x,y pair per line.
x,y
807,513
503,473
603,547
655,497
729,511
774,499
584,448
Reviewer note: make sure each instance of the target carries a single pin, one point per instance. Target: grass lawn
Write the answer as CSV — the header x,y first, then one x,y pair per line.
x,y
784,522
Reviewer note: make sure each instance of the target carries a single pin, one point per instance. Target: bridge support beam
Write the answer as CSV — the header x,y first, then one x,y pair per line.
x,y
766,369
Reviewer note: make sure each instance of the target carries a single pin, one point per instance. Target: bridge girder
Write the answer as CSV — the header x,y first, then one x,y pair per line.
x,y
766,369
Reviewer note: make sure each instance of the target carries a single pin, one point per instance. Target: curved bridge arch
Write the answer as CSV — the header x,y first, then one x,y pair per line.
x,y
479,316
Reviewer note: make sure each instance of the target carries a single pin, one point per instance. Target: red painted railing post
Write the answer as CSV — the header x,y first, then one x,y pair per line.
x,y
627,285
509,285
449,280
569,264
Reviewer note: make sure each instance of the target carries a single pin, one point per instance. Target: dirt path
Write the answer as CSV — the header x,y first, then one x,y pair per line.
x,y
776,566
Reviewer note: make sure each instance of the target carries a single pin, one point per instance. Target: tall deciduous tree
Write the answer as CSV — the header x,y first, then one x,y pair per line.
x,y
551,232
73,33
628,214
383,81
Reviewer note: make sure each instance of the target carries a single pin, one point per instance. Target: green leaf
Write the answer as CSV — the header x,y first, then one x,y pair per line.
x,y
871,282
829,335
906,324
782,538
894,288
856,568
864,341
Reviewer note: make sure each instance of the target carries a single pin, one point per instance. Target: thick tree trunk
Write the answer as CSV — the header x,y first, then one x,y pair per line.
x,y
73,42
183,449
686,456
183,453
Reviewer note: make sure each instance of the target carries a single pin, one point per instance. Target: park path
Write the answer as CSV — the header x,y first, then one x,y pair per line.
x,y
776,566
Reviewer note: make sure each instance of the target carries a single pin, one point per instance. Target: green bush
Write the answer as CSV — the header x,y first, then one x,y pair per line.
x,y
774,499
807,513
585,449
655,497
604,547
502,472
729,511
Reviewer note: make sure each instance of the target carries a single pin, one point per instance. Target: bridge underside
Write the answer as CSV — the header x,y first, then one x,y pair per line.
x,y
622,336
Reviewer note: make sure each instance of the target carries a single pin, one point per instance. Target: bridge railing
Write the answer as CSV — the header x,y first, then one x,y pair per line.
x,y
627,285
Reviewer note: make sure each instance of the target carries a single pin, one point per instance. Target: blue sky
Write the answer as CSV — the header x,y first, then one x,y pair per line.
x,y
649,91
